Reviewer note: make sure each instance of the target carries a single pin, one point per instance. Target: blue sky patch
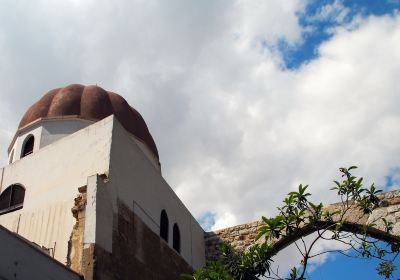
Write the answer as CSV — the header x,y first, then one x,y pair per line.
x,y
339,266
320,18
207,220
392,179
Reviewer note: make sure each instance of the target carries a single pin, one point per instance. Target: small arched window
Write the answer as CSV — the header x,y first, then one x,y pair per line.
x,y
164,225
27,148
12,199
176,244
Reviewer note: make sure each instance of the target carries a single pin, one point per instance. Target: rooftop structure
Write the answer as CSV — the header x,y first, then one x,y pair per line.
x,y
84,182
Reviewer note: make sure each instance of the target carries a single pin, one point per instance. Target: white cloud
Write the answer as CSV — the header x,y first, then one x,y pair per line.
x,y
334,11
274,129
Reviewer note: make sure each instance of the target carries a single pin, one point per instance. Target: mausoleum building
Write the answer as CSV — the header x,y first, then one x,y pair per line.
x,y
83,185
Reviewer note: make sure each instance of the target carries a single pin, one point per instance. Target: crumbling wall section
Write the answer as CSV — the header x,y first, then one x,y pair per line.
x,y
75,243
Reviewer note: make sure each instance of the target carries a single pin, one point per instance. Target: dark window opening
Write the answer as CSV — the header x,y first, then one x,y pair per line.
x,y
12,199
164,225
176,239
28,146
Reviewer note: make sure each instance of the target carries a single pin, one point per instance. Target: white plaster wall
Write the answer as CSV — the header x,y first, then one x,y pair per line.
x,y
21,260
147,152
46,132
198,247
99,212
52,176
134,180
36,131
49,226
55,129
1,179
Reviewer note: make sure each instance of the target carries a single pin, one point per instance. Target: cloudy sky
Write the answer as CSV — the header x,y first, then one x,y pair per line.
x,y
245,99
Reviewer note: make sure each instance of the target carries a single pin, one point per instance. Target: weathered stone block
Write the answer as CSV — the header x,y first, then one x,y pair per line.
x,y
396,229
393,208
376,215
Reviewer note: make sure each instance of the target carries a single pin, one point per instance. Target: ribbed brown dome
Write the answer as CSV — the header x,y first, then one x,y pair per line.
x,y
91,103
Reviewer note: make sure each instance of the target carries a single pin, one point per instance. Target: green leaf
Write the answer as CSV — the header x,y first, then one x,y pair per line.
x,y
187,276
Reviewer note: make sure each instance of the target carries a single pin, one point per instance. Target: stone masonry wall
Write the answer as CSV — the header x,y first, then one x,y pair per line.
x,y
137,253
242,236
239,237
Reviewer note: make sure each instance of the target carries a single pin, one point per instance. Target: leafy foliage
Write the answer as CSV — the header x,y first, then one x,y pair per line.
x,y
386,269
299,215
214,270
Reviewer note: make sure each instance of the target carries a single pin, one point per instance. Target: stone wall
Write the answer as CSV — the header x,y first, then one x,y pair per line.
x,y
242,236
137,253
239,237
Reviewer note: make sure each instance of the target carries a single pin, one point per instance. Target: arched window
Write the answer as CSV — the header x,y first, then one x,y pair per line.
x,y
12,199
176,244
164,225
27,148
